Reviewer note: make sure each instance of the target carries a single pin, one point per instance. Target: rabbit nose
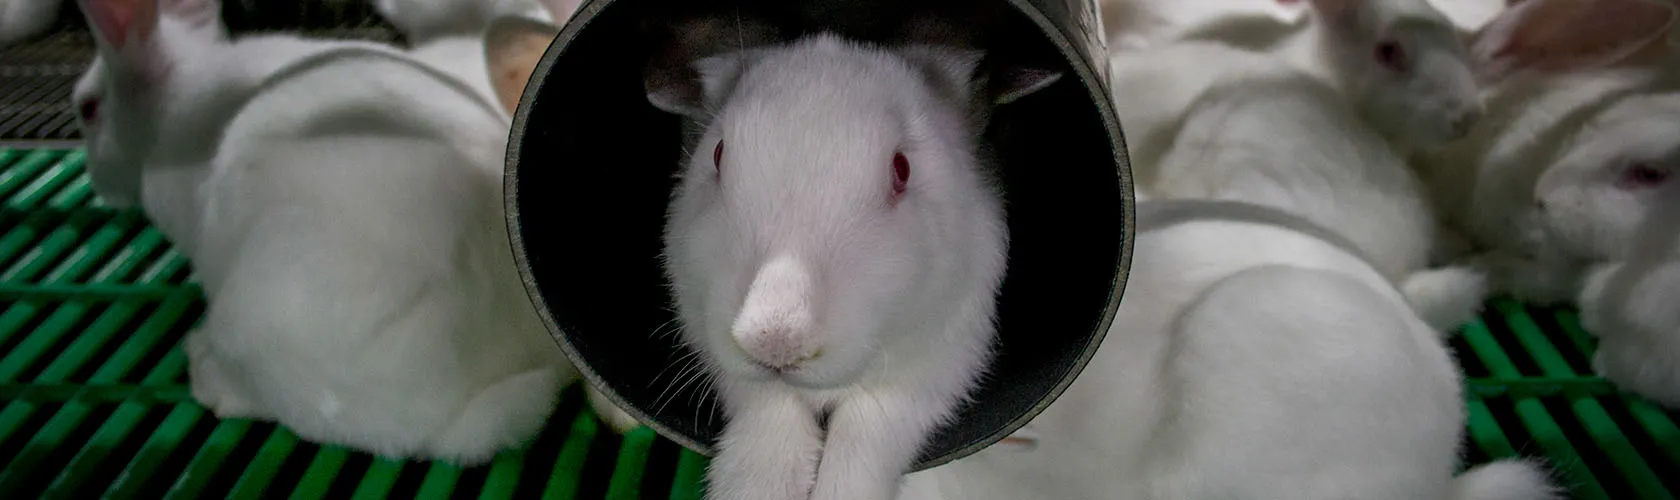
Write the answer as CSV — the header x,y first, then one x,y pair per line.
x,y
775,327
1466,120
779,350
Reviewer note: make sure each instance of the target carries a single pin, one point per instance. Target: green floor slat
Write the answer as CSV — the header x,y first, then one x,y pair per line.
x,y
690,476
626,481
504,476
564,481
1538,422
45,185
440,482
378,480
88,288
321,473
262,469
1600,427
209,460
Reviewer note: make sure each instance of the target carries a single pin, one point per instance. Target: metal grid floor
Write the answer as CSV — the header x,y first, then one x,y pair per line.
x,y
36,77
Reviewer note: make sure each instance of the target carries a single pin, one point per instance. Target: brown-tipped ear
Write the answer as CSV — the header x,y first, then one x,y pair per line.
x,y
512,48
561,10
1555,36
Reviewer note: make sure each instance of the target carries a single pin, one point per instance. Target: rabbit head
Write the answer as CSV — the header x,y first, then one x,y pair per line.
x,y
1404,62
833,208
120,99
1611,174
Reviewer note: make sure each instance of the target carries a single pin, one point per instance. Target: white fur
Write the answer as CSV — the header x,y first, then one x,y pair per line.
x,y
1630,307
342,207
424,21
806,287
1262,363
1546,114
21,20
1269,134
1591,208
1133,24
1430,101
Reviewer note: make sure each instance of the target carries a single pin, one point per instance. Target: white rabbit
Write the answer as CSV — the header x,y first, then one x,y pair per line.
x,y
1398,62
520,29
848,266
421,21
1546,87
1136,24
1613,198
1263,131
343,212
1263,362
21,20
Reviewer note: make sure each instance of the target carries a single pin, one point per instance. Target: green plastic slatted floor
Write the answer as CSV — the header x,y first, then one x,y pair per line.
x,y
95,402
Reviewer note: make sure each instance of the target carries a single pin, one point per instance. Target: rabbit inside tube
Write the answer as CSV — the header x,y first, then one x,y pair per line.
x,y
835,247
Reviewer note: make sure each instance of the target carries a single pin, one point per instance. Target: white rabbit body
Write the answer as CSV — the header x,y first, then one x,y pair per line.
x,y
1613,199
1269,134
1630,308
1263,362
1547,88
846,266
21,20
343,213
1397,63
424,20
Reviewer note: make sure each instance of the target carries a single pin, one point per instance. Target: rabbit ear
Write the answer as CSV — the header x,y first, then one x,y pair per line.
x,y
561,10
952,69
512,48
1015,83
1565,35
121,26
705,81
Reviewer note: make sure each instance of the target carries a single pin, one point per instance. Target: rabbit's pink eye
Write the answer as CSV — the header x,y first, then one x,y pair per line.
x,y
89,110
717,156
901,174
1641,176
1391,55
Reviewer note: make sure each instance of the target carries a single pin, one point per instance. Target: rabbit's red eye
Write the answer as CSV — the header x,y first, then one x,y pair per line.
x,y
717,156
1391,55
901,174
1643,176
89,110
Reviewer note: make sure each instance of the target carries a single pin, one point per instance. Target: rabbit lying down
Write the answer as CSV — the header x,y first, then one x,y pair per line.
x,y
1215,121
1614,201
341,204
1544,88
1558,196
1265,361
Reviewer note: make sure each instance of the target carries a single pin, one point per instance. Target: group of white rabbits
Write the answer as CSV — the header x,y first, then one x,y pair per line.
x,y
1326,191
341,205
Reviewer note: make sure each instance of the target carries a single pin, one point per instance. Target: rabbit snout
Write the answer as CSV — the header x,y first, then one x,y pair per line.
x,y
776,325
